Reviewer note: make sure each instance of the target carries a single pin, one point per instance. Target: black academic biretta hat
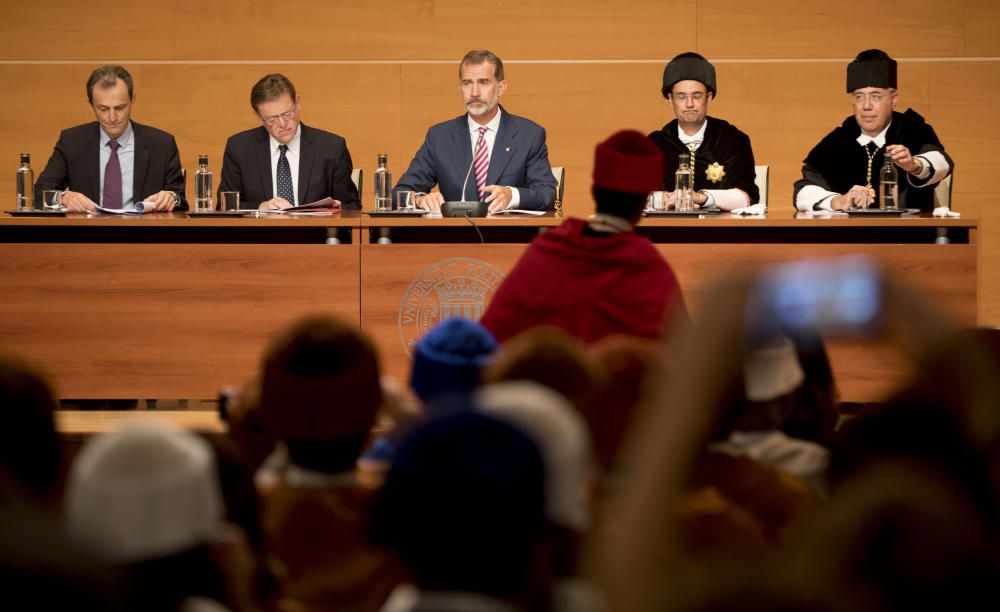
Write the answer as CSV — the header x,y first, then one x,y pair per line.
x,y
871,68
688,67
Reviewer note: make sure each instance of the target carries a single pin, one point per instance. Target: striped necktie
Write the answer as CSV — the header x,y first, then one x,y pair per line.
x,y
482,162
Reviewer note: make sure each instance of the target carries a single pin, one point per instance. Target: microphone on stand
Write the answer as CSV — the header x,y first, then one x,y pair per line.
x,y
466,208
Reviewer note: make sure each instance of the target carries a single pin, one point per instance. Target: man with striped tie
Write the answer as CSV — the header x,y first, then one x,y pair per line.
x,y
486,155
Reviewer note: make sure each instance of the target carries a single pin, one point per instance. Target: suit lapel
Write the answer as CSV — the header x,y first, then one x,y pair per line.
x,y
503,149
306,154
93,145
461,154
263,154
141,163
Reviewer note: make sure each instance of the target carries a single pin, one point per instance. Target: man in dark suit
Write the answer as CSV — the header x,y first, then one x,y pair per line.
x,y
496,157
114,161
284,162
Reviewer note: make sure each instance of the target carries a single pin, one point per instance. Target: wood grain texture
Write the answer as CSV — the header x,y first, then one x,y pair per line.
x,y
946,276
302,29
393,274
403,288
965,98
79,424
982,22
163,320
64,29
613,29
819,28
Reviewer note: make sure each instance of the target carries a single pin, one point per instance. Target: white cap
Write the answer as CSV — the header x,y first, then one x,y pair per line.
x,y
144,492
562,438
772,371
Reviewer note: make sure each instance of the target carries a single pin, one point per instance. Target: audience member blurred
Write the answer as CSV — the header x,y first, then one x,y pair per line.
x,y
597,277
147,499
464,504
879,546
946,419
447,361
899,536
29,445
751,424
816,410
552,358
561,435
450,358
320,394
623,361
40,569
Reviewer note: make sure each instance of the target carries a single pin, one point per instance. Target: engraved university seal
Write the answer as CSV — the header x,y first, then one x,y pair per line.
x,y
448,289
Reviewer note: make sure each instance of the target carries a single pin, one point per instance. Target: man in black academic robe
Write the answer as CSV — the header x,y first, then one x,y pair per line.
x,y
842,171
723,160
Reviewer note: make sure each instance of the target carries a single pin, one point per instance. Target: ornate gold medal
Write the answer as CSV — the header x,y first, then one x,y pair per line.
x,y
715,172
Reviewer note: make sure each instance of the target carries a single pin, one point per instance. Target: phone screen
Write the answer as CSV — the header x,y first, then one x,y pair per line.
x,y
831,296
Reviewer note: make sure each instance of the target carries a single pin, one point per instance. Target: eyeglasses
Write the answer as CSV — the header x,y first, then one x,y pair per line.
x,y
683,97
875,97
282,118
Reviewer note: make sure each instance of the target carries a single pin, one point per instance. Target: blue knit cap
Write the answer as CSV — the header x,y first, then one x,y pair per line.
x,y
449,358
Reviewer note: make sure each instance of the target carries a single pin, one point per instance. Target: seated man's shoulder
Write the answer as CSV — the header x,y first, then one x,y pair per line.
x,y
523,123
151,133
324,136
78,131
727,128
447,126
248,136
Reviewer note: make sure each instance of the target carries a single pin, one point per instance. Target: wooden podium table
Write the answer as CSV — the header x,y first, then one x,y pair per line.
x,y
435,269
166,307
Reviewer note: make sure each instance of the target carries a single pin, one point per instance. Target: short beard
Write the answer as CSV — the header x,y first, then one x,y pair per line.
x,y
487,108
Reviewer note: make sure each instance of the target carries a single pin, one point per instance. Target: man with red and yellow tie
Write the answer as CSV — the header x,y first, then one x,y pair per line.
x,y
496,157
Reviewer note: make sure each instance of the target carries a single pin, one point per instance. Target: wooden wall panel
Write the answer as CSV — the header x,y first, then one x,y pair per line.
x,y
982,23
820,28
303,29
209,309
591,29
965,100
67,29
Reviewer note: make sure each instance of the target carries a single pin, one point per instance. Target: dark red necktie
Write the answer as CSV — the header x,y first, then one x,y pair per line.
x,y
113,179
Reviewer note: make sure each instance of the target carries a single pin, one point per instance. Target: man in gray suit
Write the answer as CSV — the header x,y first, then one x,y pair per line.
x,y
496,157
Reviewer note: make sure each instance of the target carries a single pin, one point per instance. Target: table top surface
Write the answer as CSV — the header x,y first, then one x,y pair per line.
x,y
361,219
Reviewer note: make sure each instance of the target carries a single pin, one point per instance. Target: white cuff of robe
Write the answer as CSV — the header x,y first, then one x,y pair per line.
x,y
810,195
941,168
727,199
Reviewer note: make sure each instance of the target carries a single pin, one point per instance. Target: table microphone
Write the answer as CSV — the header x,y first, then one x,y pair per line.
x,y
466,208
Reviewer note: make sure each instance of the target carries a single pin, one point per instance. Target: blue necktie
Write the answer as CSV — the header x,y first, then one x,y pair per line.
x,y
285,189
